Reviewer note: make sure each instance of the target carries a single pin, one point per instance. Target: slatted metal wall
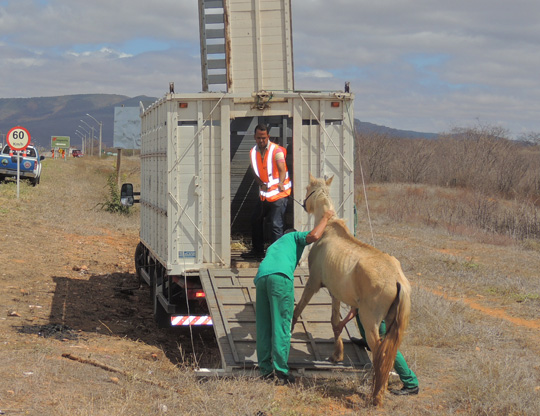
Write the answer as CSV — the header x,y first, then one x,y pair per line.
x,y
246,45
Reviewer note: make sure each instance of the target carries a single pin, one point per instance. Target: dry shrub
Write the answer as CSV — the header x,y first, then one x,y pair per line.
x,y
374,155
492,384
462,211
531,244
414,162
437,322
481,161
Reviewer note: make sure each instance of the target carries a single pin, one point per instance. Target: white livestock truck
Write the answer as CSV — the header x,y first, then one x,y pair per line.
x,y
197,190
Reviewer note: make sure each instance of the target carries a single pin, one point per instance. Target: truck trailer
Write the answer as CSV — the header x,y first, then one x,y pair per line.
x,y
197,189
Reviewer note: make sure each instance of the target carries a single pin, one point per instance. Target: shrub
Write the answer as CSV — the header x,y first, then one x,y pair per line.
x,y
112,203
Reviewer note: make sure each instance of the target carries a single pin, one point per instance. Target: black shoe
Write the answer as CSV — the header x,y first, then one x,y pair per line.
x,y
285,378
406,391
265,377
256,255
361,342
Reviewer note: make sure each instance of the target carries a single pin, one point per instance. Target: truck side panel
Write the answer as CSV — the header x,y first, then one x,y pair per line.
x,y
186,156
197,204
154,183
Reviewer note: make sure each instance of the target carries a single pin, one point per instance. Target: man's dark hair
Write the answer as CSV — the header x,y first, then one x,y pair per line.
x,y
261,127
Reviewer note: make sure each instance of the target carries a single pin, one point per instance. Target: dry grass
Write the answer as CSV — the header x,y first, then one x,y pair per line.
x,y
70,194
468,339
495,385
465,212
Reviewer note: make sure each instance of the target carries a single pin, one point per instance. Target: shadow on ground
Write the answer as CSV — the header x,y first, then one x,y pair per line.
x,y
115,305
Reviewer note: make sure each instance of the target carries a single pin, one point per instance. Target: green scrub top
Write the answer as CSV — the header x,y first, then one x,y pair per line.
x,y
283,255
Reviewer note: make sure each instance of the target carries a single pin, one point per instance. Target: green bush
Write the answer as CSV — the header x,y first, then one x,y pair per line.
x,y
112,203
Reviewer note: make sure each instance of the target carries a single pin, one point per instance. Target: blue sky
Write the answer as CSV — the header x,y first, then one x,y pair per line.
x,y
424,65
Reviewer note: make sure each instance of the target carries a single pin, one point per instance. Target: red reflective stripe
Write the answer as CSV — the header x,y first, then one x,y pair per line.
x,y
179,320
191,320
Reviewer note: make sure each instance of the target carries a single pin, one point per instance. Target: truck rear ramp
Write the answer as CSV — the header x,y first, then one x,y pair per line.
x,y
230,295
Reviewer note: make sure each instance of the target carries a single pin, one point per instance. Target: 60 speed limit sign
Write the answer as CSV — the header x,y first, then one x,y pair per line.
x,y
18,138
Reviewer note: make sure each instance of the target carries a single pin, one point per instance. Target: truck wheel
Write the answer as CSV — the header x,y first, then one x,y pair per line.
x,y
34,181
160,315
139,261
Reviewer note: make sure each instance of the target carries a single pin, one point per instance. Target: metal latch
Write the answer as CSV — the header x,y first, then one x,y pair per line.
x,y
263,98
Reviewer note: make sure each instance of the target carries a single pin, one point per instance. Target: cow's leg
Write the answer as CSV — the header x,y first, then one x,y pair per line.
x,y
312,286
337,356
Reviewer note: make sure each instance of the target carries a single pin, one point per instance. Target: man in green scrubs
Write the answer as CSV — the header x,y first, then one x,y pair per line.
x,y
406,375
275,300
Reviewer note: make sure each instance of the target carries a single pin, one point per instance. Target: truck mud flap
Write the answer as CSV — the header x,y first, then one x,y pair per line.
x,y
230,295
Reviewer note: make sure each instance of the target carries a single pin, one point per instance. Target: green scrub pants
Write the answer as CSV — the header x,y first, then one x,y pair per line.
x,y
274,311
406,375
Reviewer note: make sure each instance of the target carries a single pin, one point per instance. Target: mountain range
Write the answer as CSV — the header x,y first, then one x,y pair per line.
x,y
45,117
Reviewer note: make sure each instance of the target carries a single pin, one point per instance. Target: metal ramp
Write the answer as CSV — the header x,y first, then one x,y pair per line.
x,y
230,294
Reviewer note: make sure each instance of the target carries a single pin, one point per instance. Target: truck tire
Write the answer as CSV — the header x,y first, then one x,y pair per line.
x,y
34,181
139,261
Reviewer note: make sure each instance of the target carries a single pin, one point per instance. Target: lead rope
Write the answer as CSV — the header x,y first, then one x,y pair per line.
x,y
242,203
363,186
367,205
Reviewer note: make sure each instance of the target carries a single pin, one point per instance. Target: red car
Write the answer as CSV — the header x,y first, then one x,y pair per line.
x,y
77,153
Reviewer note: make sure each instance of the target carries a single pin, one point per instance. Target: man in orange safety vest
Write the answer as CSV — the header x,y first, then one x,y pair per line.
x,y
271,174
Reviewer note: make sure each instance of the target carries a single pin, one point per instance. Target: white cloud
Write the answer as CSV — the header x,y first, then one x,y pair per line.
x,y
23,62
422,65
314,73
103,52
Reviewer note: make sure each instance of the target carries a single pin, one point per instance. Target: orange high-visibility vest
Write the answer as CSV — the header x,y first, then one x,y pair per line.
x,y
267,172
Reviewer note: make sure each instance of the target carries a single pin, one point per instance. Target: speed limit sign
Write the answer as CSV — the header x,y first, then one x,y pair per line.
x,y
18,138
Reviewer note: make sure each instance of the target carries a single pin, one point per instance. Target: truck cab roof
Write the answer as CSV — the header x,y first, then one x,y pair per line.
x,y
30,151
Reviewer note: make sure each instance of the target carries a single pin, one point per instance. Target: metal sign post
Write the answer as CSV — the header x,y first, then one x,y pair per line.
x,y
18,139
18,172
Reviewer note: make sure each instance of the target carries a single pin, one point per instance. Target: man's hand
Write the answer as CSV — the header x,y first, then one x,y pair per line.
x,y
317,232
329,214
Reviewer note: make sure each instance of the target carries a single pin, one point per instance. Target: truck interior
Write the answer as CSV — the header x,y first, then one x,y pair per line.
x,y
244,189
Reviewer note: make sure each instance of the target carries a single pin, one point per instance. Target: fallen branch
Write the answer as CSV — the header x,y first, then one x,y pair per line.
x,y
122,372
94,363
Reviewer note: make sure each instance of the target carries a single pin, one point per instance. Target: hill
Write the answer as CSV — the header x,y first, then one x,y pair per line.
x,y
365,127
45,117
61,116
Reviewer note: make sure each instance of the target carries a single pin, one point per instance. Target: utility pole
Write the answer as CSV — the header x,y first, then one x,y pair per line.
x,y
90,135
100,131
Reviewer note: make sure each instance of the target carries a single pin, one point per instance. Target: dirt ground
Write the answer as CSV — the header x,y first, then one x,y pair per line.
x,y
77,334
